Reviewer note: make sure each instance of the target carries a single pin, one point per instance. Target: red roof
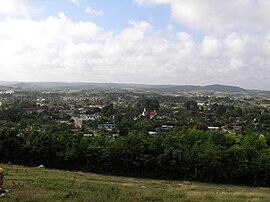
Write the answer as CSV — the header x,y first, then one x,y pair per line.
x,y
151,114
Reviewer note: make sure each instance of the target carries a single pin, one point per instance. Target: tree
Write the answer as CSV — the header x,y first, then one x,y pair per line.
x,y
149,104
191,105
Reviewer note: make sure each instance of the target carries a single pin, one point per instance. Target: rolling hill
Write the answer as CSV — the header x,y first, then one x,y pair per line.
x,y
87,86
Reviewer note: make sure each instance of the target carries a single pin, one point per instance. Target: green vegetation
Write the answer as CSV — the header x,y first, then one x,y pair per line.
x,y
200,136
33,184
186,155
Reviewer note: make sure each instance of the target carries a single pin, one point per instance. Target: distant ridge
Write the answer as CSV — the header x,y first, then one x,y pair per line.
x,y
86,86
224,88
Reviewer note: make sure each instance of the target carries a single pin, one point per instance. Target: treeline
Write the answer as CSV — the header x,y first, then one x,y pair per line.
x,y
185,155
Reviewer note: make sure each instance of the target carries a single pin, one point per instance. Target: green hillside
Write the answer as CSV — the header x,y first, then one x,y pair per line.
x,y
33,184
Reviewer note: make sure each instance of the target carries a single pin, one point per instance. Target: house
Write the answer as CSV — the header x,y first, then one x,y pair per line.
x,y
114,136
201,105
96,106
93,117
213,128
78,122
107,126
82,110
152,114
64,122
89,135
166,127
8,92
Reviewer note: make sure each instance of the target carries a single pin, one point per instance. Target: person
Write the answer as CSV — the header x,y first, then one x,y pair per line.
x,y
2,190
1,176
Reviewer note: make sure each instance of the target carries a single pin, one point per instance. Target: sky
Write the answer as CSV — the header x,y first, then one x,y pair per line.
x,y
182,42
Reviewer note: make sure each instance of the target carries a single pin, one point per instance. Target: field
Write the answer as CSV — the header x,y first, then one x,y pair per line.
x,y
34,184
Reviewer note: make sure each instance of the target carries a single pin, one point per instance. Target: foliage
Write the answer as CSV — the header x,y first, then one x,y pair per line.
x,y
187,154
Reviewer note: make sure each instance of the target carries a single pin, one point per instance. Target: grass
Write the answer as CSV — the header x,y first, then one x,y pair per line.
x,y
33,184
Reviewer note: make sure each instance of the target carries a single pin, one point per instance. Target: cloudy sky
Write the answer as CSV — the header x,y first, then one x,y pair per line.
x,y
196,42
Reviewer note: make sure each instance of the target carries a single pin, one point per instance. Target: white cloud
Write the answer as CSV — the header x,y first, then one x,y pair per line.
x,y
15,7
211,47
59,49
94,12
75,1
219,17
235,41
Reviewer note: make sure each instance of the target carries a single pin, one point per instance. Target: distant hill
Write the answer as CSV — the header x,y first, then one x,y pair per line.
x,y
224,88
87,86
5,83
63,85
190,88
3,87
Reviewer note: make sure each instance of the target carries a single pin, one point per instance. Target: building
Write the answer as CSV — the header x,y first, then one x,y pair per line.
x,y
107,126
152,114
92,117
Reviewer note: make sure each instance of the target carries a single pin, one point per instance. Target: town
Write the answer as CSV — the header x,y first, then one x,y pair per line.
x,y
114,113
201,135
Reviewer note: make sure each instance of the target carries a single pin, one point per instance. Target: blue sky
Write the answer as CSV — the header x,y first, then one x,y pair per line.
x,y
196,42
116,15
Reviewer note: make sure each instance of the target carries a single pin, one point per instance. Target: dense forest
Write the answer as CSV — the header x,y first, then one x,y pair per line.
x,y
187,154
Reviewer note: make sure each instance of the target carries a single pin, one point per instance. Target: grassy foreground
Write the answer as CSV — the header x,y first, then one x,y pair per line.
x,y
33,184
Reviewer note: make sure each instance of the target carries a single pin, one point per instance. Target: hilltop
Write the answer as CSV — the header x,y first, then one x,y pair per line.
x,y
33,184
87,86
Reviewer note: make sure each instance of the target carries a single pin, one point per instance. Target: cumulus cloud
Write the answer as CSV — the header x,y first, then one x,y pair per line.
x,y
59,49
35,49
235,39
219,17
15,7
94,12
